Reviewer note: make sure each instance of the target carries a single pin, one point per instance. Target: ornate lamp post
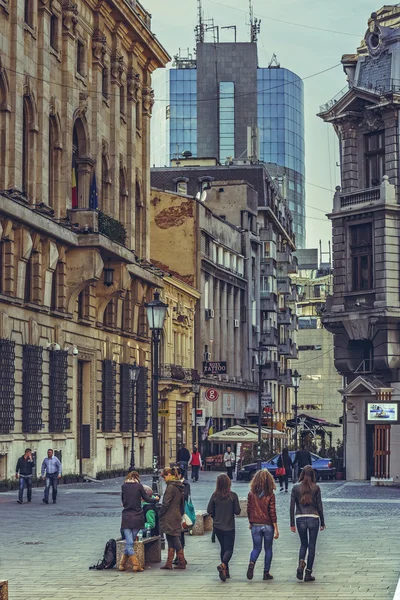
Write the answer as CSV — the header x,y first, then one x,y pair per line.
x,y
296,384
156,313
134,373
261,358
196,390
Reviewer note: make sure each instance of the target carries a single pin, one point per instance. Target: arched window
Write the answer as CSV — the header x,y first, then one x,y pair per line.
x,y
4,117
138,222
25,146
104,182
53,163
82,165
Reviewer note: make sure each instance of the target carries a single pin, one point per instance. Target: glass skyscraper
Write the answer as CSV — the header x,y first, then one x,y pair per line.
x,y
280,110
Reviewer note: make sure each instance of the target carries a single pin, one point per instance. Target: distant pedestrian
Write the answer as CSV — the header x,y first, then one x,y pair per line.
x,y
223,506
133,520
229,461
24,472
171,513
51,472
182,459
261,513
306,502
195,462
186,496
285,463
302,459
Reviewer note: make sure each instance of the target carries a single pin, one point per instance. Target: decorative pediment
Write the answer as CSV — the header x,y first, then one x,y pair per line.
x,y
366,385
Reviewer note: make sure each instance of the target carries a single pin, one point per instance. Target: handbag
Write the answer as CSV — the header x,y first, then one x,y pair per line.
x,y
189,513
281,471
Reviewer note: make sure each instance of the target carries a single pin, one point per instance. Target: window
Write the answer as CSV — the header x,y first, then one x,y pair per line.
x,y
28,13
361,256
226,120
374,158
53,175
80,58
25,146
54,32
181,187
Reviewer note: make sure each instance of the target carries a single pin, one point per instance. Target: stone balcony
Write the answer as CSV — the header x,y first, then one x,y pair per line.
x,y
285,316
361,199
270,371
268,267
268,301
284,285
178,373
269,337
285,378
288,348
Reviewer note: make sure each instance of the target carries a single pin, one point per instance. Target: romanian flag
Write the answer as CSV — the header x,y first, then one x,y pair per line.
x,y
74,189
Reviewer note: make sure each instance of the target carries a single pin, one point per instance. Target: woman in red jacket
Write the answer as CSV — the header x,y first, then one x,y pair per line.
x,y
195,461
261,512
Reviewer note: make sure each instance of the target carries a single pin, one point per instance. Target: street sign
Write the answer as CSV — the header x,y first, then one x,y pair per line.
x,y
266,399
212,394
163,412
214,368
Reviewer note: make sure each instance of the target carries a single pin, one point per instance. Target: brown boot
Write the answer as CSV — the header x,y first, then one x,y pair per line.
x,y
300,569
122,562
170,558
308,576
133,563
181,560
222,571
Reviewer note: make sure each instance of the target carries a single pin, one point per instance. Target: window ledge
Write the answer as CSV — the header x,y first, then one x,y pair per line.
x,y
30,30
56,53
81,78
122,117
360,293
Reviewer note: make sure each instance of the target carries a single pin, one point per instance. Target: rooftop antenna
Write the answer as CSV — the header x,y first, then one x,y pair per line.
x,y
199,29
255,24
274,62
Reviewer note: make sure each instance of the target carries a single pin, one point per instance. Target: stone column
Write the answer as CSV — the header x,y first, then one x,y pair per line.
x,y
223,336
217,319
231,333
116,72
147,104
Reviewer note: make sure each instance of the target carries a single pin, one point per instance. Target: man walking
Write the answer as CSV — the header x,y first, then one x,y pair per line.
x,y
52,467
229,461
182,459
23,472
302,459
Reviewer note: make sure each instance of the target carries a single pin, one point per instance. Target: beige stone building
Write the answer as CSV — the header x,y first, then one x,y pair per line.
x,y
75,108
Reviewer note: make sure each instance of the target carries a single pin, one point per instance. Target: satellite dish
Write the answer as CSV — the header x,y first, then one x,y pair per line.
x,y
198,196
203,196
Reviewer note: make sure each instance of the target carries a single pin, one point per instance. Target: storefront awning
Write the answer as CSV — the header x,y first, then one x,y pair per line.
x,y
237,433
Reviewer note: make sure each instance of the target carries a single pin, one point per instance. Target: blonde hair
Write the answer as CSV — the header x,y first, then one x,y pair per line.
x,y
171,471
262,482
132,477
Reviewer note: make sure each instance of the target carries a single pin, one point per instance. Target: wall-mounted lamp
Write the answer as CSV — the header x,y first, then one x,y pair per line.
x,y
72,350
53,346
108,277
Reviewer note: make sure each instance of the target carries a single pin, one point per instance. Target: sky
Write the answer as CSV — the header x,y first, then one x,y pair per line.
x,y
290,29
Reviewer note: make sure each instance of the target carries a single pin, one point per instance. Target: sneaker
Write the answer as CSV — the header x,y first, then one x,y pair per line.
x,y
45,501
281,490
267,576
19,501
250,570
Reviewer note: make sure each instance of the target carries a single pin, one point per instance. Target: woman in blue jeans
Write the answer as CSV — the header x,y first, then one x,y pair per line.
x,y
261,512
307,514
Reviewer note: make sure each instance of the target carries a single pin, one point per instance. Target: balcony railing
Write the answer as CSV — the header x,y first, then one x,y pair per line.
x,y
268,301
112,228
360,197
285,316
178,373
288,348
268,267
284,285
284,256
269,337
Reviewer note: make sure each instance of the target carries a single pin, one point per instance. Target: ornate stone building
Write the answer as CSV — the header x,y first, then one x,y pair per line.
x,y
363,312
75,108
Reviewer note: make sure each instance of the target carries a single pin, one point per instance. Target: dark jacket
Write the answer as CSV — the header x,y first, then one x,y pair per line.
x,y
186,492
261,510
302,458
172,508
223,511
183,455
132,514
24,467
315,508
285,461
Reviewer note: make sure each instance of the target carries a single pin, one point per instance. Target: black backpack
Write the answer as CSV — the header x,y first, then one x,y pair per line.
x,y
109,557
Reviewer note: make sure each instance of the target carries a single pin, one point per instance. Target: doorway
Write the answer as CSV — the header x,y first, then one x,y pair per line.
x,y
83,413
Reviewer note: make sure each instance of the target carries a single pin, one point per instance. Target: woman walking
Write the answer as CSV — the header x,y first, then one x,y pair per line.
x,y
171,512
261,512
306,502
186,496
133,520
223,506
195,462
285,465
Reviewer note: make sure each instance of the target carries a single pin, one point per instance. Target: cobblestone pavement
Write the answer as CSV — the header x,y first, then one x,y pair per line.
x,y
45,551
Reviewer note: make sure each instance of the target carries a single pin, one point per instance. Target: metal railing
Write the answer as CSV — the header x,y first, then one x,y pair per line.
x,y
379,90
360,197
178,373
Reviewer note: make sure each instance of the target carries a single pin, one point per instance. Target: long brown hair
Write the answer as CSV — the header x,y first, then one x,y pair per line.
x,y
307,484
223,487
132,477
262,483
171,471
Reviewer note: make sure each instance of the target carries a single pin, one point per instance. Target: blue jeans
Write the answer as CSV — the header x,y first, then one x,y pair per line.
x,y
130,537
260,533
25,481
51,480
308,528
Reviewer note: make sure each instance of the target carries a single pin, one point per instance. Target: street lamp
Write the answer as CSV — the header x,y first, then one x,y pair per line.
x,y
156,311
296,383
134,373
196,386
261,357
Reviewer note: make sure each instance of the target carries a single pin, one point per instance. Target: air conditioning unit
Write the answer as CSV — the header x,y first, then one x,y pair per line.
x,y
207,356
256,329
211,313
207,314
236,323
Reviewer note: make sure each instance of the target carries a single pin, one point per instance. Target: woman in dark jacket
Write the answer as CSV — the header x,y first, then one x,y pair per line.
x,y
285,462
309,518
186,495
223,506
132,522
171,512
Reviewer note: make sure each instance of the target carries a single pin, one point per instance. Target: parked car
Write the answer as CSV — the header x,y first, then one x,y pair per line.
x,y
323,467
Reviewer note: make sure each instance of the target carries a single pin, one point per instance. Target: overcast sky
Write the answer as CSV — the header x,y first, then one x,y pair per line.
x,y
301,49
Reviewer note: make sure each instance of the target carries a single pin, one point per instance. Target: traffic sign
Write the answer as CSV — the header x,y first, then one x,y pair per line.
x,y
214,368
212,394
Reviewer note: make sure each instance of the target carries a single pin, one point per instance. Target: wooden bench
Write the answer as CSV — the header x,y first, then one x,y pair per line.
x,y
3,590
214,462
148,551
204,523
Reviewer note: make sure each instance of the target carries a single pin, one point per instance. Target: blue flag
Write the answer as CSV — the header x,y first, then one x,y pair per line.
x,y
93,198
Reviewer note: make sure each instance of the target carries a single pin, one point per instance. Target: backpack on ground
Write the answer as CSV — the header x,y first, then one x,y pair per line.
x,y
109,557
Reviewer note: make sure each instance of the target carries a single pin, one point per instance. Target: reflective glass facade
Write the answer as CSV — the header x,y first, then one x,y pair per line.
x,y
182,112
280,104
226,120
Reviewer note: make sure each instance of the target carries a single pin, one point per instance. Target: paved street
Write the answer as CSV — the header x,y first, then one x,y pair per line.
x,y
46,550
